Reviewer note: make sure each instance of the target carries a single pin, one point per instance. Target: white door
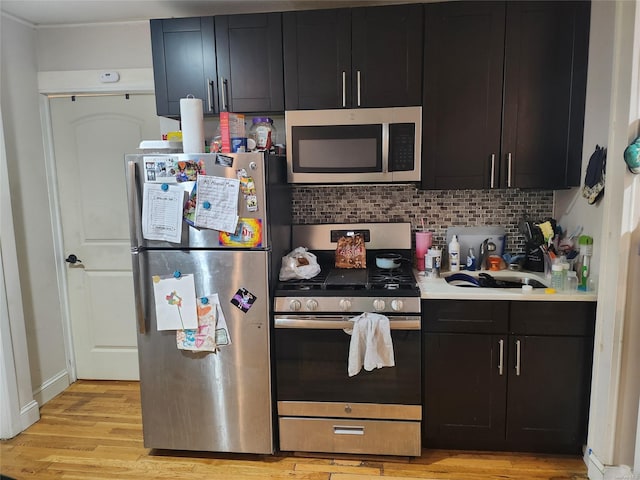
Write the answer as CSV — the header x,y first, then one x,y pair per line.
x,y
91,135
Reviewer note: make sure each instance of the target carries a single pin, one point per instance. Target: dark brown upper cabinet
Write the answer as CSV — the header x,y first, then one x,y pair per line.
x,y
351,58
249,59
231,62
184,63
504,94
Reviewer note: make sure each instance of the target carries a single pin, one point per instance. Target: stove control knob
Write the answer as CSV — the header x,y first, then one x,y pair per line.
x,y
312,304
345,305
396,305
295,305
378,305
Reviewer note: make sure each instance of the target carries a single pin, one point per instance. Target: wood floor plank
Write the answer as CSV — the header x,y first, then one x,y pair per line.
x,y
93,431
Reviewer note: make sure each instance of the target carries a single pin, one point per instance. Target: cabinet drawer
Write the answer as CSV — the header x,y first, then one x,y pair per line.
x,y
468,316
349,436
553,318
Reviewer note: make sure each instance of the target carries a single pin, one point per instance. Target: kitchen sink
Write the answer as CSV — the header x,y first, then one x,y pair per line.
x,y
486,280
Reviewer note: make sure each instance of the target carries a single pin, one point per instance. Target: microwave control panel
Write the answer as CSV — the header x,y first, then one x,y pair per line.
x,y
401,146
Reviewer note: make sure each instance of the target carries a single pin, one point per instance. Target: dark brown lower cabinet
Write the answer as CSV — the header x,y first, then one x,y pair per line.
x,y
507,375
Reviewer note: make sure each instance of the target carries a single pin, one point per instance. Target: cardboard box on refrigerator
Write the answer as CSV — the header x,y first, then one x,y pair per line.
x,y
232,132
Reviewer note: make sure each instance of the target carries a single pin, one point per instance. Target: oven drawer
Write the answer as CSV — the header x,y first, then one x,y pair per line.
x,y
338,435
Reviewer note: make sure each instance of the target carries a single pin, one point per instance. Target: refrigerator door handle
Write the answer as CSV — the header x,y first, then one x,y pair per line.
x,y
135,217
137,291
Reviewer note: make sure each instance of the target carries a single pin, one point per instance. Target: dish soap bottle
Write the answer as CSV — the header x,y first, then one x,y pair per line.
x,y
454,254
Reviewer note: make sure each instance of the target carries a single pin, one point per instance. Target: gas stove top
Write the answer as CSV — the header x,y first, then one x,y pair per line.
x,y
370,289
356,282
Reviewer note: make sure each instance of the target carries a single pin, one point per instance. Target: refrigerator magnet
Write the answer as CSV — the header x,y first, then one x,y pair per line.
x,y
247,235
224,160
243,299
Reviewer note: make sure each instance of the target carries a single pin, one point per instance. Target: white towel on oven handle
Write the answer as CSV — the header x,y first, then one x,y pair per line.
x,y
370,344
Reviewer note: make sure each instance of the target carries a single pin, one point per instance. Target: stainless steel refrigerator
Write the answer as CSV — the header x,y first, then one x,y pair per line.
x,y
218,402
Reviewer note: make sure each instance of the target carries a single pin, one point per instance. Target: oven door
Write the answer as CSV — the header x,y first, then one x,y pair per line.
x,y
312,354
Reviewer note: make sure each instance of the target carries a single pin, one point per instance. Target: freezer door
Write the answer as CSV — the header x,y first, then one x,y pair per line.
x,y
218,402
254,222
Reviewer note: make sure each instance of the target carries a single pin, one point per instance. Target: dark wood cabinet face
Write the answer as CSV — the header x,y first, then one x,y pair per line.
x,y
544,91
386,56
546,400
462,105
506,82
502,375
464,390
249,59
317,59
350,58
184,63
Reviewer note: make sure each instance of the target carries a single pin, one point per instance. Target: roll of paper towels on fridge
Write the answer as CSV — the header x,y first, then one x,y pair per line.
x,y
192,124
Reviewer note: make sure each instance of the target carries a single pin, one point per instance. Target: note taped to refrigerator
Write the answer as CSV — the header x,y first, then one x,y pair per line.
x,y
212,331
162,207
175,299
217,203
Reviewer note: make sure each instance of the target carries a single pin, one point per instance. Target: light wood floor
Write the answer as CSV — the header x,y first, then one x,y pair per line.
x,y
93,431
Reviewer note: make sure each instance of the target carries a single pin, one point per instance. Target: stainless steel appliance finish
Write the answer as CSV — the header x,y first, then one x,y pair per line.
x,y
320,408
203,401
364,145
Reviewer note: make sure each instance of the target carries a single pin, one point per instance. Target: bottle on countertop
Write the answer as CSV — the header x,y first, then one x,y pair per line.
x,y
454,254
571,282
584,266
557,277
471,260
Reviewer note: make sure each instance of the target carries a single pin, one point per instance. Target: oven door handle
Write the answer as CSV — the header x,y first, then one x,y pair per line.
x,y
339,322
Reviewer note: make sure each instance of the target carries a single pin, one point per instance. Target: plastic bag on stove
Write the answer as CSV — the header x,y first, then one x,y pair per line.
x,y
299,263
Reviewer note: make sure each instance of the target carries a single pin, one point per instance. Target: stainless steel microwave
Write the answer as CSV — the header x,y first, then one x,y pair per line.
x,y
364,145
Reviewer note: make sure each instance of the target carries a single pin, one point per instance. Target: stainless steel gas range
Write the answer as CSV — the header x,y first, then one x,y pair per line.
x,y
320,407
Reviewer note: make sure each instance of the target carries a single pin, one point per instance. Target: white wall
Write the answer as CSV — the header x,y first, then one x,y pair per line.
x,y
30,205
571,209
94,47
18,409
616,384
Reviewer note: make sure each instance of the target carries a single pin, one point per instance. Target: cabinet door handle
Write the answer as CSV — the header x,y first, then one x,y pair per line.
x,y
509,170
501,357
517,358
493,174
358,75
223,93
209,94
344,89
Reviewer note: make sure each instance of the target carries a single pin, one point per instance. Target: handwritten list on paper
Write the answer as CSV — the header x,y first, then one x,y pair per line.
x,y
217,205
162,213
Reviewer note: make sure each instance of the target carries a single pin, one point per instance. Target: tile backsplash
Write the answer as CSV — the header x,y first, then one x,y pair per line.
x,y
439,208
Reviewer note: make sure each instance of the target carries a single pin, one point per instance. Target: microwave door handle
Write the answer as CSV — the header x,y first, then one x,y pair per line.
x,y
344,89
385,148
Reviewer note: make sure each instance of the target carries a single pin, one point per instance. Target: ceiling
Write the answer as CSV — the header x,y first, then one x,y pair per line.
x,y
74,12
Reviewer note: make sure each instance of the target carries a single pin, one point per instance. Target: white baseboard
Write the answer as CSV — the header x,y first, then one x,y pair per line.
x,y
52,387
596,470
29,414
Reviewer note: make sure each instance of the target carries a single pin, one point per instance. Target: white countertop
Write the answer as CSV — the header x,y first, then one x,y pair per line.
x,y
438,288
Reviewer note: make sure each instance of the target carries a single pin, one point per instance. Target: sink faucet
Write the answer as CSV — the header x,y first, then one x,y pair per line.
x,y
486,248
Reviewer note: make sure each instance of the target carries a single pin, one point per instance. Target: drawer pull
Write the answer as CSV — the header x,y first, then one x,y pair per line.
x,y
347,430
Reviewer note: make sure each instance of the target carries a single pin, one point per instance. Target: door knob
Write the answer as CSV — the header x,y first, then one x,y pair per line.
x,y
72,259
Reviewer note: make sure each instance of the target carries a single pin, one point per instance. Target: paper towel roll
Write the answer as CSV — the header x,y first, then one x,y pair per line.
x,y
192,123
